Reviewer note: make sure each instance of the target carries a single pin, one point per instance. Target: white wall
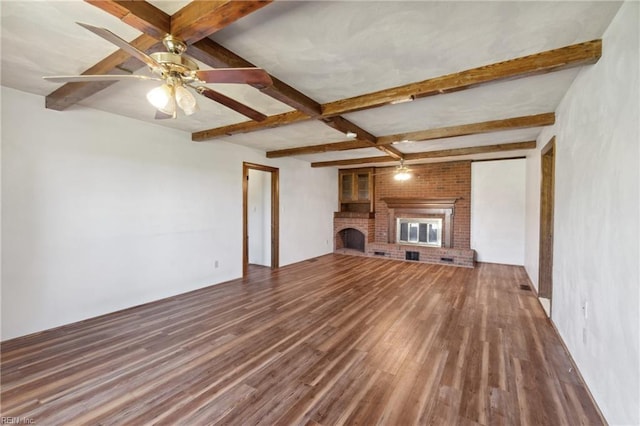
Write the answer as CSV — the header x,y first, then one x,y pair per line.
x,y
498,211
101,212
597,221
259,217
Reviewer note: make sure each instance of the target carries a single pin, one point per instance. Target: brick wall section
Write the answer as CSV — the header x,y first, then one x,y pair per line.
x,y
437,180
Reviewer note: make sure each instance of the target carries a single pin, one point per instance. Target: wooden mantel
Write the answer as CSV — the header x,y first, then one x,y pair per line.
x,y
420,203
440,206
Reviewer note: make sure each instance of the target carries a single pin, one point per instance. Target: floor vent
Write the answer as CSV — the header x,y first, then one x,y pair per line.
x,y
412,255
525,287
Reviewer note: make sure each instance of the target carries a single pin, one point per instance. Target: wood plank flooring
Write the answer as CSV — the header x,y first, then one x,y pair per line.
x,y
335,340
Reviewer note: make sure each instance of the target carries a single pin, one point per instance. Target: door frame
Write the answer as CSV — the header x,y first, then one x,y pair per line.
x,y
547,202
275,215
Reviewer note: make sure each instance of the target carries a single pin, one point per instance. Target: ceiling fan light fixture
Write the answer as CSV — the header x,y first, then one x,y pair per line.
x,y
402,176
402,172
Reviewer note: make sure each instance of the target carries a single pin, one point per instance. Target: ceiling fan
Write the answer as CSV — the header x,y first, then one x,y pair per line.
x,y
178,72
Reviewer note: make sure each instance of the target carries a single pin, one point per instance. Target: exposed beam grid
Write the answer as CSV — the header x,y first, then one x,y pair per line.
x,y
552,60
343,125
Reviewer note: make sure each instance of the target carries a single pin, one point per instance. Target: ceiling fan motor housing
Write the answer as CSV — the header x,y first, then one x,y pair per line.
x,y
174,64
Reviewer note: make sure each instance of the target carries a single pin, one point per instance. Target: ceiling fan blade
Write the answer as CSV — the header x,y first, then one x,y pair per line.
x,y
99,77
256,77
231,103
122,44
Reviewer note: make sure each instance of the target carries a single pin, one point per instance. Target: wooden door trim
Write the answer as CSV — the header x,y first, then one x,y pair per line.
x,y
547,202
275,213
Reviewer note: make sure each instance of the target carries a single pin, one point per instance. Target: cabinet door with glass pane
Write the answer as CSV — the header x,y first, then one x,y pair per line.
x,y
363,186
346,187
356,190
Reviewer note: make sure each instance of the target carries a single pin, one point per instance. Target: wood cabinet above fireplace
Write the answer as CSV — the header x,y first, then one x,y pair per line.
x,y
356,189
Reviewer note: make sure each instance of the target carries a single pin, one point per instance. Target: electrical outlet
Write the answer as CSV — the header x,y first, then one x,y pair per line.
x,y
584,336
215,264
585,307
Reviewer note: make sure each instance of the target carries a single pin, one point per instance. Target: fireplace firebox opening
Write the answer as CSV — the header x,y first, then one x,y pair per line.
x,y
352,239
419,231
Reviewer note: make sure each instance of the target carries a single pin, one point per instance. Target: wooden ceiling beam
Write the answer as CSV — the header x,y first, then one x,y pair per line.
x,y
318,149
523,122
513,146
456,152
540,63
200,19
513,123
552,60
217,56
141,15
154,23
119,62
271,121
354,161
333,147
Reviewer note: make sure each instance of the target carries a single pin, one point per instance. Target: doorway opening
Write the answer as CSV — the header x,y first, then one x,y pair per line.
x,y
547,185
260,218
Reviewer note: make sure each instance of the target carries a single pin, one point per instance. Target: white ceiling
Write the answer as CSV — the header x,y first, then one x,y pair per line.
x,y
328,51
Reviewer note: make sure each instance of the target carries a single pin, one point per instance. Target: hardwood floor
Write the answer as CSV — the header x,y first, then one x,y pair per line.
x,y
334,340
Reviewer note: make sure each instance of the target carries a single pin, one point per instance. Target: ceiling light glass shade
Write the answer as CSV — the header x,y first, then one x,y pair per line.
x,y
186,100
402,176
160,97
402,172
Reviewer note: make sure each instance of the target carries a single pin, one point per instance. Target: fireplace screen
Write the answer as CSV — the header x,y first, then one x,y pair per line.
x,y
424,232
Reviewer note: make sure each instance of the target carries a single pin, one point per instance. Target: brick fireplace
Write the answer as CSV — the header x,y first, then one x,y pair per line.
x,y
351,227
440,191
416,209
